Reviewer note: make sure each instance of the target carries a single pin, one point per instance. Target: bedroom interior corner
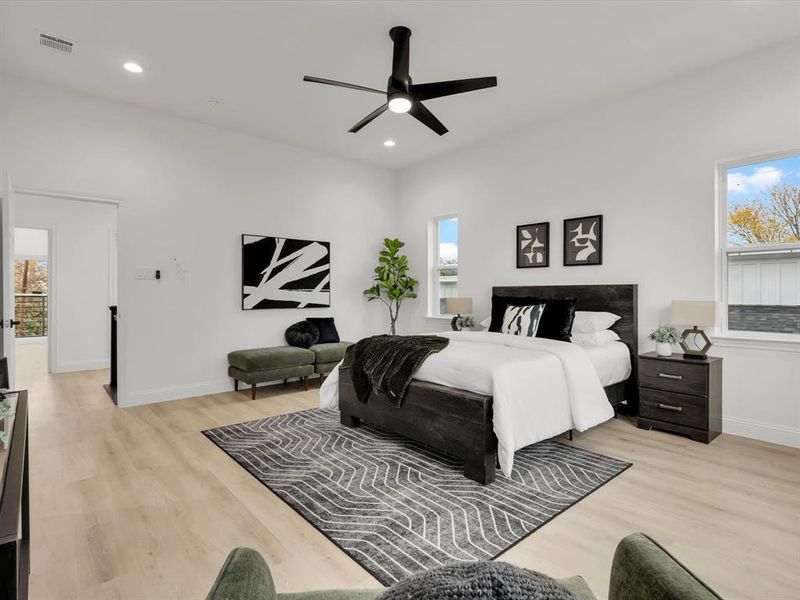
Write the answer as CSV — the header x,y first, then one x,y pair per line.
x,y
524,226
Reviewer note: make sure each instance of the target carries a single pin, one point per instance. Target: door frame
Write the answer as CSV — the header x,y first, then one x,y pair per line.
x,y
52,317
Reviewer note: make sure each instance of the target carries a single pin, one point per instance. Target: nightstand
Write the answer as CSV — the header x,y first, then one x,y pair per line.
x,y
681,395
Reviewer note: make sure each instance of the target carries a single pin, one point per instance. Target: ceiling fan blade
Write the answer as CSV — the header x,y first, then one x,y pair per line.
x,y
351,86
374,114
426,91
426,117
400,36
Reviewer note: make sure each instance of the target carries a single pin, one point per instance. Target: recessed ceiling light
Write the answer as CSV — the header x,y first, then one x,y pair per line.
x,y
132,67
389,143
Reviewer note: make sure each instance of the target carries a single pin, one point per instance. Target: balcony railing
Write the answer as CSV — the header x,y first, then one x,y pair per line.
x,y
31,312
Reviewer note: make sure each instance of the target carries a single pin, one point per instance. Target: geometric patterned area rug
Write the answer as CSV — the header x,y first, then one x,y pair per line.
x,y
397,507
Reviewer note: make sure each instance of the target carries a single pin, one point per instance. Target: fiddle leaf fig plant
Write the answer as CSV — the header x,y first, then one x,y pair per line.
x,y
393,282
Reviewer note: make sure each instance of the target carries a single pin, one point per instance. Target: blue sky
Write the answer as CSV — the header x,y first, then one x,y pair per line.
x,y
448,239
752,181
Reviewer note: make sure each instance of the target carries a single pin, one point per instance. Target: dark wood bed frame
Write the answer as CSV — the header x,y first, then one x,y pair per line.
x,y
458,422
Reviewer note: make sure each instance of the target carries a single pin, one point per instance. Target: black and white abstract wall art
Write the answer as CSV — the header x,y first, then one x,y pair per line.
x,y
583,241
282,272
533,245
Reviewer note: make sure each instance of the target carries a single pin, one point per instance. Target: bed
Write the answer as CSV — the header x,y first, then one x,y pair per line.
x,y
466,423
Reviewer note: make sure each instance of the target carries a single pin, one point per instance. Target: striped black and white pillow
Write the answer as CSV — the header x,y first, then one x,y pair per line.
x,y
522,320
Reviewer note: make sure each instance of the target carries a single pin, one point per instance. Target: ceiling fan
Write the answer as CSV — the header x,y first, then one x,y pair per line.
x,y
402,95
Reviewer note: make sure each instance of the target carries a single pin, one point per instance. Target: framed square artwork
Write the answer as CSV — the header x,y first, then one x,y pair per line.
x,y
583,241
533,245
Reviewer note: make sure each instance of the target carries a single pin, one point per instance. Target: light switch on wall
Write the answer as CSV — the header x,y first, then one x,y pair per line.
x,y
148,273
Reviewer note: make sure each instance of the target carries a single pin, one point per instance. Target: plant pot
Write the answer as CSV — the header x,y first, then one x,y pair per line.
x,y
663,348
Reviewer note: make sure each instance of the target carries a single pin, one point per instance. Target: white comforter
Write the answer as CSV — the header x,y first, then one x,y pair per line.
x,y
541,387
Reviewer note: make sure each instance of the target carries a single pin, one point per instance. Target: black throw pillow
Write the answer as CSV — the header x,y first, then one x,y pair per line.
x,y
327,329
556,321
302,334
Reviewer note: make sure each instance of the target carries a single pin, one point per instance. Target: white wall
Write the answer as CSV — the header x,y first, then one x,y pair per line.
x,y
646,161
80,270
189,191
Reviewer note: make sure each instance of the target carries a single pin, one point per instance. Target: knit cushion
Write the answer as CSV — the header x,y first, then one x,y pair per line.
x,y
257,359
327,329
302,334
478,581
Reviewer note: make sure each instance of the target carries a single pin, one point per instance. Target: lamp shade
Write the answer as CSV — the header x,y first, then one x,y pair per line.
x,y
458,306
694,312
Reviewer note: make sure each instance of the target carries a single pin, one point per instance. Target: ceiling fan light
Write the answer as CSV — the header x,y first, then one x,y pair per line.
x,y
400,104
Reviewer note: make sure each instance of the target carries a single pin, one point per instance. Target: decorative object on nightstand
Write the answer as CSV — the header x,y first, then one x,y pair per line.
x,y
681,395
458,307
664,336
694,341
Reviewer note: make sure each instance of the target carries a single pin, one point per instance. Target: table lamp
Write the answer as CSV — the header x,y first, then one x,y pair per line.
x,y
697,313
458,307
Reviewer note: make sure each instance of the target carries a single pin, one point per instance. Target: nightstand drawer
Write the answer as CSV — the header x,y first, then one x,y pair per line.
x,y
670,407
673,376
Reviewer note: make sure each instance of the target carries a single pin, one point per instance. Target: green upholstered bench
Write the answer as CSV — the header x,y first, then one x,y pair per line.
x,y
260,365
642,570
327,356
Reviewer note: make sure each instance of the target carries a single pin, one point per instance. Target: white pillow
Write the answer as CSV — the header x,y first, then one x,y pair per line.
x,y
591,322
522,320
598,338
486,322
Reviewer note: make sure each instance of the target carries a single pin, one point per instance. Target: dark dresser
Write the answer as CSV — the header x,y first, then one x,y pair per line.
x,y
681,395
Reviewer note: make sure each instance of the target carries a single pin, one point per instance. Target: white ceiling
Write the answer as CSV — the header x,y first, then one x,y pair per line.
x,y
252,56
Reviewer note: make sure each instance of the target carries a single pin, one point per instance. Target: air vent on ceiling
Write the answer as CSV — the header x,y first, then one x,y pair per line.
x,y
56,43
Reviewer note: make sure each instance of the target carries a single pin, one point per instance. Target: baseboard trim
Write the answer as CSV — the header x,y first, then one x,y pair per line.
x,y
776,434
177,392
82,365
24,341
189,390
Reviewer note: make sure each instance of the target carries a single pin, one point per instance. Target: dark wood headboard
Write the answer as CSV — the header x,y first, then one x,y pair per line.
x,y
620,299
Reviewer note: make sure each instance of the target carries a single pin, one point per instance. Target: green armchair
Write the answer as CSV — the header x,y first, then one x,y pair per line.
x,y
642,570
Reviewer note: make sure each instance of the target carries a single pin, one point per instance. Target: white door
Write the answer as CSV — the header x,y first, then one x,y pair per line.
x,y
7,317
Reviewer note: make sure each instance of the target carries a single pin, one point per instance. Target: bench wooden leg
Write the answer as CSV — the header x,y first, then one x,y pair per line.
x,y
285,381
235,385
321,378
305,382
253,391
481,467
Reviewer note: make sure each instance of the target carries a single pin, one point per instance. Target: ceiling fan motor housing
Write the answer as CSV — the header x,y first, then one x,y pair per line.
x,y
404,97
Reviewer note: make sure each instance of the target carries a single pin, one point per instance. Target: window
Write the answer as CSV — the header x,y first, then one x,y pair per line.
x,y
30,296
760,244
444,272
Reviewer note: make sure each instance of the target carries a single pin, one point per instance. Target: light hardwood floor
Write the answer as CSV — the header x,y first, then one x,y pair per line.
x,y
137,503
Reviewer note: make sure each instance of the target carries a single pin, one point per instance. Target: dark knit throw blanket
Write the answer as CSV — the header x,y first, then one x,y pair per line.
x,y
478,581
388,362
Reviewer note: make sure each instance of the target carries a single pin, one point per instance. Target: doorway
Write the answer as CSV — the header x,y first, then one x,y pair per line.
x,y
31,303
81,273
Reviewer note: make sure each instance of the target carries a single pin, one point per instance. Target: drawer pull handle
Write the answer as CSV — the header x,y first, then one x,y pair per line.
x,y
670,376
670,407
